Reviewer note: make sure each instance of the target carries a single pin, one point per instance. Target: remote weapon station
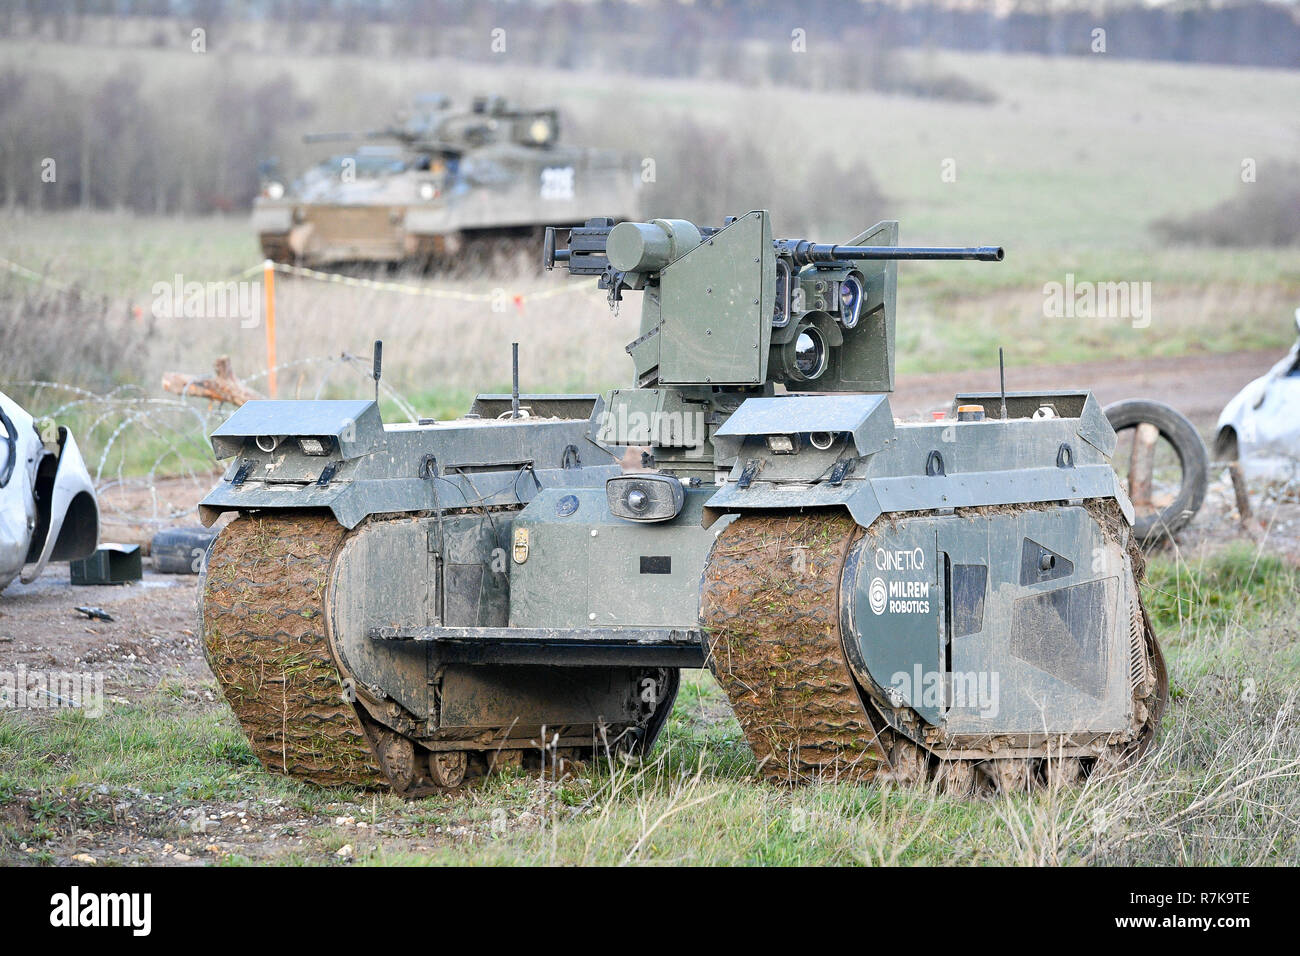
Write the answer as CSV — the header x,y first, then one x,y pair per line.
x,y
952,601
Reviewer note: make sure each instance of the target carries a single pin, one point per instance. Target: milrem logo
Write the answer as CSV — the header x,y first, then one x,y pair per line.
x,y
74,909
899,596
878,596
909,597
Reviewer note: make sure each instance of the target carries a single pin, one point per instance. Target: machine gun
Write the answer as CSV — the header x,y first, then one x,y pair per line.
x,y
734,307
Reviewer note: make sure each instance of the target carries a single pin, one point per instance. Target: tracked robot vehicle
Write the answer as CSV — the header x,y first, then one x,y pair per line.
x,y
951,601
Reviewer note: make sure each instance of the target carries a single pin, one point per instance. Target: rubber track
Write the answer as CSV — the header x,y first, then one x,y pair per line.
x,y
770,606
263,628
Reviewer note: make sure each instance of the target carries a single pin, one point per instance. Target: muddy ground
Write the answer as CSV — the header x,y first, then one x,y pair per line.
x,y
151,642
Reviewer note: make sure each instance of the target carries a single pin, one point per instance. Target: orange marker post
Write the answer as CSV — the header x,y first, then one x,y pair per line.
x,y
268,283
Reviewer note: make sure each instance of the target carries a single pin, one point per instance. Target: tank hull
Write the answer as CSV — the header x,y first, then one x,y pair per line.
x,y
935,614
463,216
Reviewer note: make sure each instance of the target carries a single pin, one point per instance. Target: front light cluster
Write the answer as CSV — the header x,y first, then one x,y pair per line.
x,y
791,444
645,497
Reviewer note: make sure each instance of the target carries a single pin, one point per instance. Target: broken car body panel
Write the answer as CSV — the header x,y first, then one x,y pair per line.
x,y
48,509
1260,426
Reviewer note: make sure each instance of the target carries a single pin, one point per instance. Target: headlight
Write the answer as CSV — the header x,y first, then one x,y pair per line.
x,y
428,191
850,301
315,446
645,497
540,132
274,190
781,444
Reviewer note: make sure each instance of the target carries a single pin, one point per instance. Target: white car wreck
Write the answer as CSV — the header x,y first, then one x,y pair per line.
x,y
48,510
1260,427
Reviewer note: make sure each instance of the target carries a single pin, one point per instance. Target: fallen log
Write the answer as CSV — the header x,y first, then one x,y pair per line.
x,y
223,388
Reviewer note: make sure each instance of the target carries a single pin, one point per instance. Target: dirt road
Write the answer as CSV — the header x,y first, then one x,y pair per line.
x,y
1198,386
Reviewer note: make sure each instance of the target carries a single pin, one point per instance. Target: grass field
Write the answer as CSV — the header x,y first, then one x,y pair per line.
x,y
1221,789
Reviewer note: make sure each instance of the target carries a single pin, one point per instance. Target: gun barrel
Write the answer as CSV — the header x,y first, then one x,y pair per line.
x,y
586,252
650,246
328,137
804,252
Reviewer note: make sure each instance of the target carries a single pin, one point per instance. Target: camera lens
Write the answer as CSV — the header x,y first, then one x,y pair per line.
x,y
810,354
850,302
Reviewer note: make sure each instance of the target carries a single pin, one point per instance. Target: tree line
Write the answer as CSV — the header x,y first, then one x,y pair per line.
x,y
591,34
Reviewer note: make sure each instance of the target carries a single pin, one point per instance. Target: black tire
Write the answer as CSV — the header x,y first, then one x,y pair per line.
x,y
181,550
1192,456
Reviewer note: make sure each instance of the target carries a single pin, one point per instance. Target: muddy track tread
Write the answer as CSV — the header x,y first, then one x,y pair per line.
x,y
263,624
770,607
263,628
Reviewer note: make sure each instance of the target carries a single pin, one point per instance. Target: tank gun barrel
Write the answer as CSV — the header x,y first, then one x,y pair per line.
x,y
331,137
393,132
402,133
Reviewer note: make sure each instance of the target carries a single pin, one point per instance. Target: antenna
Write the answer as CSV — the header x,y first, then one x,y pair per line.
x,y
378,367
514,387
1002,382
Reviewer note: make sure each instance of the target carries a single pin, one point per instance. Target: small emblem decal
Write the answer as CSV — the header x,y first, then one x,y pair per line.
x,y
877,596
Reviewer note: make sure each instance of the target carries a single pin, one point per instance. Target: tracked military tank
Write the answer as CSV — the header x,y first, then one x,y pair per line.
x,y
951,602
453,190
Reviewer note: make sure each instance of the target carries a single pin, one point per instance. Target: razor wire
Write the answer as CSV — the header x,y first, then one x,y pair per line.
x,y
175,432
343,359
134,442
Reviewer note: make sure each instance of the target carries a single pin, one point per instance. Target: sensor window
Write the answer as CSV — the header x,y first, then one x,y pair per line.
x,y
810,354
